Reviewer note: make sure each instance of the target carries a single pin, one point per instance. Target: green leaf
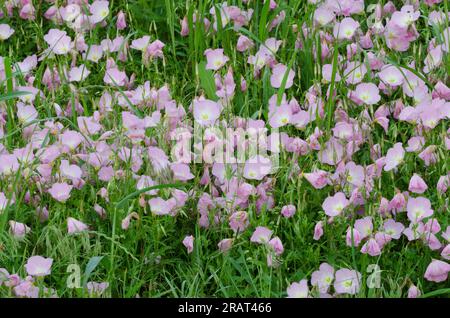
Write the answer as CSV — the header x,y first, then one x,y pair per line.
x,y
207,81
13,95
262,31
92,264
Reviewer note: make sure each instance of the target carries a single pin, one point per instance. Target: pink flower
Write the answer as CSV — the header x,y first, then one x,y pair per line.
x,y
39,266
26,289
160,206
398,203
346,29
94,53
432,226
121,22
347,281
323,278
382,239
26,113
446,252
443,184
75,226
270,47
332,152
18,230
334,205
70,12
71,139
391,75
184,26
318,178
394,156
280,116
115,77
99,10
288,210
355,174
100,210
368,93
72,172
278,72
226,86
371,247
89,125
256,168
5,32
276,245
9,165
413,292
154,49
327,72
437,271
244,43
58,41
60,191
225,245
181,171
318,231
428,155
364,226
141,43
417,185
355,72
323,15
189,243
78,74
126,221
215,59
418,209
353,237
415,144
261,235
158,159
393,229
206,112
298,290
239,221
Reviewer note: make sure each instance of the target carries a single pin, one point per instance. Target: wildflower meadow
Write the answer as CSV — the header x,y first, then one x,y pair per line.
x,y
240,148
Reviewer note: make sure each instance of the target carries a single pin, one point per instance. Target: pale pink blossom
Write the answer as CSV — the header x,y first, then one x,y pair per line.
x,y
215,59
5,32
39,266
318,230
347,281
188,242
418,209
288,210
345,29
278,73
417,184
298,290
437,271
261,235
75,226
60,191
334,205
394,156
